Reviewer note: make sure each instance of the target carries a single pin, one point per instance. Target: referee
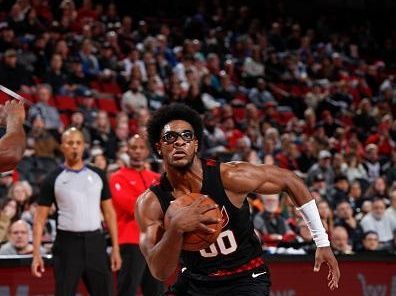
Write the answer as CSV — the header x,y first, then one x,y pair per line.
x,y
79,192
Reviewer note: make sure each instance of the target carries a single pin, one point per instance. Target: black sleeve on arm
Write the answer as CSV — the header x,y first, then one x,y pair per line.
x,y
105,194
47,189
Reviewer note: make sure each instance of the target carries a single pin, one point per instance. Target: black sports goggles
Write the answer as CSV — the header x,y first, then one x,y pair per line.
x,y
171,136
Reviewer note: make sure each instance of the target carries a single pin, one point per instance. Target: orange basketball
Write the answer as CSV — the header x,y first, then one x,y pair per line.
x,y
196,240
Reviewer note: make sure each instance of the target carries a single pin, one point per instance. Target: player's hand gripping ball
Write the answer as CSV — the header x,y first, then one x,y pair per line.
x,y
198,239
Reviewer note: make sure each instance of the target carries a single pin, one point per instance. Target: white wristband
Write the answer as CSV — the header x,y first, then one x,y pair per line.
x,y
311,216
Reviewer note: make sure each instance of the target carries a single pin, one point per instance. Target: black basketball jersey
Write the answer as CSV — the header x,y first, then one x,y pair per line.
x,y
237,244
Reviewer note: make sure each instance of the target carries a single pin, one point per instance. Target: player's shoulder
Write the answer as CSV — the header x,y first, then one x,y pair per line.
x,y
148,203
233,167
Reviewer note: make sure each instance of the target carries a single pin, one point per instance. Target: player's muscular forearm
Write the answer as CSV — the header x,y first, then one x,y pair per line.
x,y
163,257
160,248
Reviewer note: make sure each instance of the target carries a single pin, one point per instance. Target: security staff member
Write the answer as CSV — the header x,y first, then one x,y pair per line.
x,y
126,185
80,192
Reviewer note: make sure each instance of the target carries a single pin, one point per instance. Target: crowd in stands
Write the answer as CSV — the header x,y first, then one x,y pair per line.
x,y
313,100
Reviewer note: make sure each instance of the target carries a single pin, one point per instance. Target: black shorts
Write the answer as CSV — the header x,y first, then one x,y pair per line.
x,y
253,283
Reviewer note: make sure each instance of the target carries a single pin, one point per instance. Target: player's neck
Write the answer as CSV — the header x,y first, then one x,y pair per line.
x,y
186,181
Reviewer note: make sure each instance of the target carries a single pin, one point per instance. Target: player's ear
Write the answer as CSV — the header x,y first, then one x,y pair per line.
x,y
196,146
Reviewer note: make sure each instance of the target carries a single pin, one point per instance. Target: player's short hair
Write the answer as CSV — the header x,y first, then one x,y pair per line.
x,y
169,113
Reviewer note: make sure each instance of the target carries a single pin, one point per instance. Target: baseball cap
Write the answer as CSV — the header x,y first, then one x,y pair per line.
x,y
324,154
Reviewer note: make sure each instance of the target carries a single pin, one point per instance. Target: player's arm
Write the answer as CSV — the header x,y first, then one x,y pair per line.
x,y
160,248
111,222
240,178
40,218
12,144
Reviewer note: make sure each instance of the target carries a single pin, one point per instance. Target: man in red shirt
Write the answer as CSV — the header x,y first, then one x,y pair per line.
x,y
126,185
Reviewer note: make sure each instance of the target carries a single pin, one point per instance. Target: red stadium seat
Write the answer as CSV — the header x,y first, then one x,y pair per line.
x,y
109,105
111,88
3,98
65,103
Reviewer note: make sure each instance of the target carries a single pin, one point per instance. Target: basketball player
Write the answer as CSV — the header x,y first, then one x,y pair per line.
x,y
233,265
12,144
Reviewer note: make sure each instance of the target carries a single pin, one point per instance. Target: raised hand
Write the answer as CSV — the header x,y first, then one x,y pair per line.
x,y
14,112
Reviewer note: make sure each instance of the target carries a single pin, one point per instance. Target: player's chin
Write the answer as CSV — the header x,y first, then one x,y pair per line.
x,y
181,163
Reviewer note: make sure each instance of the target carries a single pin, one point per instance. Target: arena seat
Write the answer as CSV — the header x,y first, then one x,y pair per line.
x,y
65,103
109,105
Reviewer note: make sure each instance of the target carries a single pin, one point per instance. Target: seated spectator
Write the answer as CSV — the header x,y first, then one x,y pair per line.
x,y
339,241
377,221
270,224
87,108
18,240
12,74
154,97
346,219
21,192
340,190
102,132
390,168
378,188
371,162
326,215
77,120
303,240
6,180
100,161
56,76
78,82
133,99
355,170
370,241
323,166
244,151
214,140
319,185
232,134
355,197
390,212
8,214
42,142
89,61
259,95
48,113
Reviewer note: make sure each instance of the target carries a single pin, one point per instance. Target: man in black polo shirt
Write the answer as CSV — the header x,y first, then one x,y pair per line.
x,y
80,193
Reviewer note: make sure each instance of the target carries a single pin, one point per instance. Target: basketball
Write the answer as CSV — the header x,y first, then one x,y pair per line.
x,y
196,240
